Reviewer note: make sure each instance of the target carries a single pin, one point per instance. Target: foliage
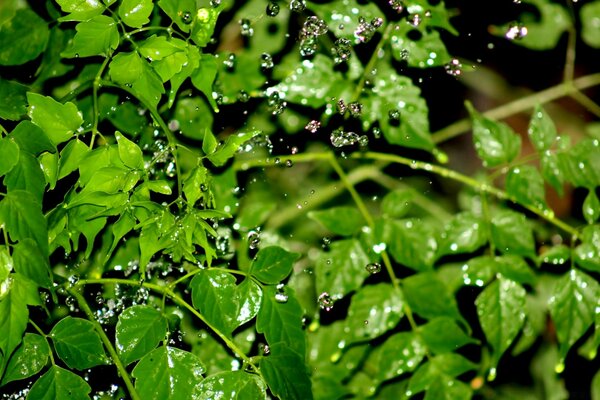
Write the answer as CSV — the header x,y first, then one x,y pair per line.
x,y
185,214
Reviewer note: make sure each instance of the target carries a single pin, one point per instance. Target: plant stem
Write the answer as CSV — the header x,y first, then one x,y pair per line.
x,y
166,291
585,101
525,103
107,343
41,332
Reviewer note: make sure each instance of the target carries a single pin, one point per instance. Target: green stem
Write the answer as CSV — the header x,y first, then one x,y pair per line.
x,y
43,334
588,103
519,105
166,291
569,70
107,343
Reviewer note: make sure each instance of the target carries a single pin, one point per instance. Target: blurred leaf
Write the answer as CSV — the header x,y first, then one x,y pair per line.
x,y
443,335
28,359
374,310
135,13
596,386
58,121
555,255
139,330
591,207
465,233
14,104
246,75
204,76
280,320
231,146
343,220
419,46
283,371
273,264
587,254
9,155
397,203
581,164
590,20
97,36
31,262
526,186
77,343
495,142
394,95
444,368
168,373
428,296
512,234
343,17
58,383
342,269
23,38
551,171
80,10
194,117
23,218
542,132
411,242
235,385
399,354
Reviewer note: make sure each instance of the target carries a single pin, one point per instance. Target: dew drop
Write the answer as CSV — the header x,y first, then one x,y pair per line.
x,y
246,27
313,126
272,9
253,239
325,301
516,31
280,295
266,62
297,5
186,17
396,5
373,268
454,67
342,50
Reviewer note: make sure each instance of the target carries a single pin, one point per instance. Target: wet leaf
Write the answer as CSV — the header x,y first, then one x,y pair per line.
x,y
139,330
80,10
512,234
343,17
26,175
23,218
345,221
177,9
500,311
443,335
465,233
130,153
14,312
98,36
273,264
428,296
77,343
14,105
194,117
581,164
23,38
282,374
135,13
542,132
9,155
526,186
591,207
58,383
231,146
168,373
28,359
31,262
374,310
31,138
556,255
444,368
397,204
420,47
70,157
399,354
58,121
411,242
587,254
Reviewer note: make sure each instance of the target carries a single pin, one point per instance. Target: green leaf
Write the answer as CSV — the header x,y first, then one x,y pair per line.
x,y
58,384
182,12
98,36
515,268
80,10
399,354
23,38
23,218
9,155
397,203
231,146
204,24
125,68
194,116
448,389
512,234
77,343
129,152
58,121
500,310
541,131
235,385
204,76
374,310
139,330
343,220
135,13
545,29
284,372
443,335
573,307
425,52
251,295
31,138
13,313
555,255
130,70
350,13
27,175
495,142
596,381
443,367
590,20
310,84
158,47
32,263
194,184
342,269
392,94
28,359
587,254
551,171
14,105
171,65
581,164
273,264
591,207
280,319
168,373
70,157
526,186
214,294
411,242
465,233
428,296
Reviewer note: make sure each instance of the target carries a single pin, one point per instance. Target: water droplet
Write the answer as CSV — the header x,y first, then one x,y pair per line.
x,y
266,61
560,367
229,62
454,67
341,107
253,239
246,27
73,280
243,96
394,116
340,138
313,26
365,30
280,295
272,9
415,20
355,109
297,5
308,46
325,301
289,163
313,126
516,31
276,103
342,50
491,374
186,17
215,3
396,5
373,268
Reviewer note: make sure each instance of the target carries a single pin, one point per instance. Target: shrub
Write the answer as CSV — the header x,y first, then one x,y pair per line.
x,y
240,200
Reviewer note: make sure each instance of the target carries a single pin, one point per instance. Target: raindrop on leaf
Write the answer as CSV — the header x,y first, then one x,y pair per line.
x,y
373,268
325,301
272,9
